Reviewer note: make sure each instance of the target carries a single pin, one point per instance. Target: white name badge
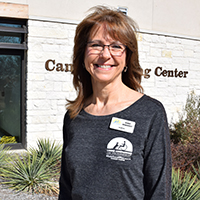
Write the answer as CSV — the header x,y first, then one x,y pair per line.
x,y
122,125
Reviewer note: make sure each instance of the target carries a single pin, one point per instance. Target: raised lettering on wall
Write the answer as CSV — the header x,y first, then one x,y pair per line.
x,y
159,71
51,65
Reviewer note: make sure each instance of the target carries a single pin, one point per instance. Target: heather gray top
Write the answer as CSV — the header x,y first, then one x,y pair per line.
x,y
102,163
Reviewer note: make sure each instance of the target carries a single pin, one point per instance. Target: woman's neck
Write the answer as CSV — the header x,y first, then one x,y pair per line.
x,y
110,98
107,93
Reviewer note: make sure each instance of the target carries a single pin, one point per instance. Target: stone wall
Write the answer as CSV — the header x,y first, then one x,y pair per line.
x,y
47,90
49,85
173,64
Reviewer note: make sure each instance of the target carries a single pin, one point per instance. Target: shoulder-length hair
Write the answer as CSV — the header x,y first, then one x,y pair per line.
x,y
120,27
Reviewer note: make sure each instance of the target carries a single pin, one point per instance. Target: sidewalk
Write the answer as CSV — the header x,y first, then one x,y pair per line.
x,y
7,194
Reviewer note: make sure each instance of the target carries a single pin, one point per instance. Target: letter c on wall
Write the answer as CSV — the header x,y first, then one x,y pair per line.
x,y
47,65
156,71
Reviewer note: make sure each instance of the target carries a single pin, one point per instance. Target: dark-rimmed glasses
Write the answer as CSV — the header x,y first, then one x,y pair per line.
x,y
115,48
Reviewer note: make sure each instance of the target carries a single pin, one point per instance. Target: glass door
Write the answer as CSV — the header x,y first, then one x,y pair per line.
x,y
10,98
13,48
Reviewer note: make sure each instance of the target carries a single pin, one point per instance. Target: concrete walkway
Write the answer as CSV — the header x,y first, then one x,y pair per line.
x,y
7,194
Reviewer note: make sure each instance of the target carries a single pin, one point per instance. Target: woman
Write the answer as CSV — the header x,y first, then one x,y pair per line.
x,y
116,139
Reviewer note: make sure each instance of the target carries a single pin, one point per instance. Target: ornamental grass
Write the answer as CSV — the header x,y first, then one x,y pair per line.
x,y
185,186
36,171
4,158
29,173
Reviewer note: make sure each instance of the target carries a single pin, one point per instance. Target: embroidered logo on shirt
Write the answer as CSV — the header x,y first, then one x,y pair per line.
x,y
119,149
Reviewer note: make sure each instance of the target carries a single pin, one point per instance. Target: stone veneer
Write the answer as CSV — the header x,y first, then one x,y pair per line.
x,y
47,90
179,56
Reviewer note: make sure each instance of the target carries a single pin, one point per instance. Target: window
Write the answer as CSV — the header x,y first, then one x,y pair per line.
x,y
13,48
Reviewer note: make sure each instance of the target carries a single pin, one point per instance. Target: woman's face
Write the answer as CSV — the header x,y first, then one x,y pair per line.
x,y
103,66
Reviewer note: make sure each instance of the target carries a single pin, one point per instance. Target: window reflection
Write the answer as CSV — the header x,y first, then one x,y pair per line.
x,y
10,93
10,38
13,40
10,25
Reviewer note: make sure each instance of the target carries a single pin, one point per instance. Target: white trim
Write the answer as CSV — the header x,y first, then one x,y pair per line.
x,y
76,22
169,34
56,20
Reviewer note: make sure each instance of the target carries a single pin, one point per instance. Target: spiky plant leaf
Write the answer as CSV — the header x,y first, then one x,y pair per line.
x,y
28,173
51,151
197,171
4,158
185,186
49,148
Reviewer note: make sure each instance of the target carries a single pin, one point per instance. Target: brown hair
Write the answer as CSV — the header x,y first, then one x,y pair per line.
x,y
119,27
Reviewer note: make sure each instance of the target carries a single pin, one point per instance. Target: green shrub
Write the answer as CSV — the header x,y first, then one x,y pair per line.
x,y
187,129
29,173
51,151
3,156
185,135
36,171
185,186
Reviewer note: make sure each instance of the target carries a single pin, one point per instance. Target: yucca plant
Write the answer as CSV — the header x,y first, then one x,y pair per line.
x,y
3,156
51,151
185,186
29,173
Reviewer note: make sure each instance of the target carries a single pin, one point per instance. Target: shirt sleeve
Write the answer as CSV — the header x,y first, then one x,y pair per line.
x,y
64,182
157,159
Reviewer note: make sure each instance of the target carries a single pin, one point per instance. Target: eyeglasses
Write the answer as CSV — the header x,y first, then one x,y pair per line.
x,y
115,48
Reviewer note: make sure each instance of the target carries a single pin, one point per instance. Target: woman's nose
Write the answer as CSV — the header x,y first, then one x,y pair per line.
x,y
105,52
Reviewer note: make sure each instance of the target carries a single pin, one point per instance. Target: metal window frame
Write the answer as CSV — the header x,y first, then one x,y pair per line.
x,y
16,46
13,29
18,49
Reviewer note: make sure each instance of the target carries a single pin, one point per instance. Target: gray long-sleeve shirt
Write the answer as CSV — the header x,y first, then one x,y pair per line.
x,y
123,156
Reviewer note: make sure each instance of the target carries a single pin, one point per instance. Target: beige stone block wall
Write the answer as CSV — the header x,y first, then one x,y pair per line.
x,y
177,57
47,90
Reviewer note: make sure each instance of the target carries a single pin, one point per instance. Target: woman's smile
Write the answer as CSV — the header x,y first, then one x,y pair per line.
x,y
102,65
